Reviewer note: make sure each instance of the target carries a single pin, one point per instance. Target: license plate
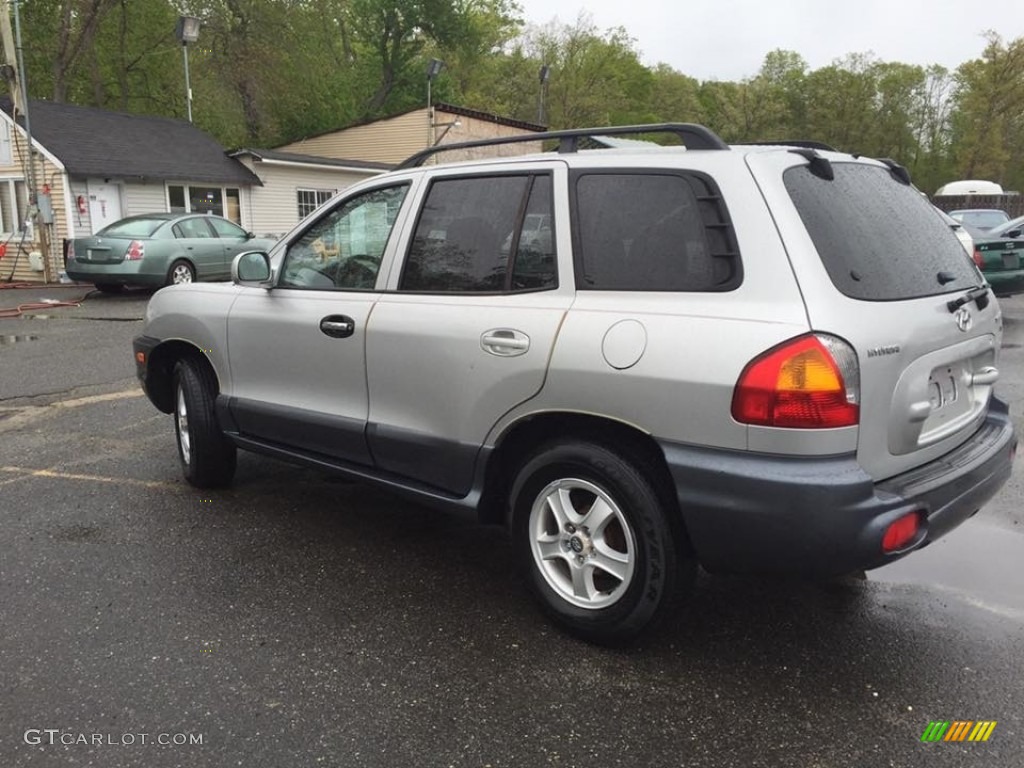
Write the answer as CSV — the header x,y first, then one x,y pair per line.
x,y
1011,261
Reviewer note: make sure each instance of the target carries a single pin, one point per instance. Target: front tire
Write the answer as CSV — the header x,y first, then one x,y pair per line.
x,y
207,457
592,534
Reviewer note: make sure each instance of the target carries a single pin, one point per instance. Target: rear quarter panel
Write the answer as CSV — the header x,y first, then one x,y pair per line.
x,y
694,344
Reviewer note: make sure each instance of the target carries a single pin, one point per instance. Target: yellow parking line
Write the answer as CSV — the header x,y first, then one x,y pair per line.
x,y
88,478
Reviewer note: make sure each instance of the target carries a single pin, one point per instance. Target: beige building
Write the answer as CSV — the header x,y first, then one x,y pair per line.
x,y
393,139
294,185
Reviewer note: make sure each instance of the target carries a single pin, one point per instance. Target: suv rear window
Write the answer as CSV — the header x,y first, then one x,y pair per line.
x,y
880,240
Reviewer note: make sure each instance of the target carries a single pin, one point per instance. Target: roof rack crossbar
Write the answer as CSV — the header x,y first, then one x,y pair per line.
x,y
693,136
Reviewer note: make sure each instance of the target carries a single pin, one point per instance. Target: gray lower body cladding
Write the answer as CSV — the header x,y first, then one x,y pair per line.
x,y
825,516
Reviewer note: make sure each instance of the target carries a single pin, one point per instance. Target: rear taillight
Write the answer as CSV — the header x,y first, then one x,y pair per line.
x,y
71,250
810,382
978,258
136,250
901,533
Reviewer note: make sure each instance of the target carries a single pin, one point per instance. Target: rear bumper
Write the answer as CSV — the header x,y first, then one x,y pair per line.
x,y
1006,283
826,516
123,273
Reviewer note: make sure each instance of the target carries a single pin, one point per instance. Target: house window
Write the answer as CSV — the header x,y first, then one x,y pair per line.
x,y
5,144
13,205
311,199
222,201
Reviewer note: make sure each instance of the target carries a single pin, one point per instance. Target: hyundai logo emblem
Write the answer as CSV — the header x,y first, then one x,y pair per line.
x,y
963,318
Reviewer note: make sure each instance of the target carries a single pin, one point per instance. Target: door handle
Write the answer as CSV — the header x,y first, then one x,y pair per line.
x,y
505,342
338,326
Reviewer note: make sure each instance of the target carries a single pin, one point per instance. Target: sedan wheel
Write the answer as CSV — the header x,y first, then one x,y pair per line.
x,y
181,272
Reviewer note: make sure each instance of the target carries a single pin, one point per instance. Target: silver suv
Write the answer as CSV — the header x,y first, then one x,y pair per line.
x,y
771,359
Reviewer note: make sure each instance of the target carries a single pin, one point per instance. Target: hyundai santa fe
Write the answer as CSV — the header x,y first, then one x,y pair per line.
x,y
771,359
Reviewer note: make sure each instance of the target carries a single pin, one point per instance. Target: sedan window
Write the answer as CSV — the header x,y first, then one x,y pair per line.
x,y
195,227
135,227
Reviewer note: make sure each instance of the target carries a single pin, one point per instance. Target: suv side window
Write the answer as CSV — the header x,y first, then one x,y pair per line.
x,y
486,234
638,231
344,247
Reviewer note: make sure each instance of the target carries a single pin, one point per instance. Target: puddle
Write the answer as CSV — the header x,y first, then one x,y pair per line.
x,y
15,339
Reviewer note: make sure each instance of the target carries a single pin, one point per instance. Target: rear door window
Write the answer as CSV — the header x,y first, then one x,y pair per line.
x,y
193,228
879,239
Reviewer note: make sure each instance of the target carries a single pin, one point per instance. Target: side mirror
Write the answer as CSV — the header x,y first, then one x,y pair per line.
x,y
249,235
1014,233
252,268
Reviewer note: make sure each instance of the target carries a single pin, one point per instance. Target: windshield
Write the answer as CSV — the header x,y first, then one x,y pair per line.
x,y
981,219
138,227
879,239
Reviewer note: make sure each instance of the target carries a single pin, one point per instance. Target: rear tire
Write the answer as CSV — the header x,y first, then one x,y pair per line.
x,y
593,537
109,287
207,457
180,273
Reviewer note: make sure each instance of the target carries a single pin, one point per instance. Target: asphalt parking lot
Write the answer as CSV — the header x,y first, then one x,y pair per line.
x,y
295,620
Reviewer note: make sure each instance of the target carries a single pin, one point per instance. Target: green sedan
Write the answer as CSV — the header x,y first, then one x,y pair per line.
x,y
1000,258
159,249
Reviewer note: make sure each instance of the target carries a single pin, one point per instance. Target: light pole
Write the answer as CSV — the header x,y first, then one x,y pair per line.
x,y
434,67
187,32
543,76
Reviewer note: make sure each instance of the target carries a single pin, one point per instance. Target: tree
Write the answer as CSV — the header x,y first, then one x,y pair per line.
x,y
988,121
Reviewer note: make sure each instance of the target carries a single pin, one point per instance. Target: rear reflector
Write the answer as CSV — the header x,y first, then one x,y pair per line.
x,y
978,258
901,533
810,382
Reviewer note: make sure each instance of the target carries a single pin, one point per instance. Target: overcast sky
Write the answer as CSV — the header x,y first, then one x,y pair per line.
x,y
728,39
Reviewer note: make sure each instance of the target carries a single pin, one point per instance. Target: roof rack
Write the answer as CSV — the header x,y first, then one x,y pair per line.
x,y
803,143
692,135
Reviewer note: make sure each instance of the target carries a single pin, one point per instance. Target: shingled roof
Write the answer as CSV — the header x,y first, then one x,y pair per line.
x,y
99,143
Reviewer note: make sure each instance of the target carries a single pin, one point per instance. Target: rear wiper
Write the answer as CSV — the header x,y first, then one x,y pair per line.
x,y
979,294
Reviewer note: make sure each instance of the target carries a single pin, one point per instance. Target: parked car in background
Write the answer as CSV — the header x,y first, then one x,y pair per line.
x,y
969,187
1014,228
159,249
981,218
999,257
961,233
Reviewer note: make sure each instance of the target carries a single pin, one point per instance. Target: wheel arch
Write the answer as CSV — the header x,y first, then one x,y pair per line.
x,y
160,370
523,437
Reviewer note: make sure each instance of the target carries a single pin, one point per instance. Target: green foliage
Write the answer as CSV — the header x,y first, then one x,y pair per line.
x,y
267,72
